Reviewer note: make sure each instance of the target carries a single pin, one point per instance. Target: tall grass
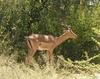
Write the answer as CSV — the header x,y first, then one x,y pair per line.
x,y
10,69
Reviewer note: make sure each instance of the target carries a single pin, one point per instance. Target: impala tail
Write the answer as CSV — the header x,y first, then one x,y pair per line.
x,y
28,42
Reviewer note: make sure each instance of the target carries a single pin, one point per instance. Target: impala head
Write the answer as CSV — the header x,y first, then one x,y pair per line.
x,y
71,34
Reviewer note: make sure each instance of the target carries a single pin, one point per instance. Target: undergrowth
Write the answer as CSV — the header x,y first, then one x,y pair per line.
x,y
61,69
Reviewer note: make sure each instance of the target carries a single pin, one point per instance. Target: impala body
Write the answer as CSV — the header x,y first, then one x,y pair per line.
x,y
45,42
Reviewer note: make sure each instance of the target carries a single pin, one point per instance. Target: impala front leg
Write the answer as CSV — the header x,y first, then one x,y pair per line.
x,y
50,55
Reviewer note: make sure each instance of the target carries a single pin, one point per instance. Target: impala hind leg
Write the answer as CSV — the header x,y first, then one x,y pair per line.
x,y
29,57
32,47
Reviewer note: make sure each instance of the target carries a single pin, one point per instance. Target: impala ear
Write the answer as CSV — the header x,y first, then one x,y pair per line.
x,y
69,28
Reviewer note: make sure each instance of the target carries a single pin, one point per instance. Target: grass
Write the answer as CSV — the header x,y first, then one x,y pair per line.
x,y
62,69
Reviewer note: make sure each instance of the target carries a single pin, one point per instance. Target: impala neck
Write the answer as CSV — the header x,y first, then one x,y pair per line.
x,y
61,39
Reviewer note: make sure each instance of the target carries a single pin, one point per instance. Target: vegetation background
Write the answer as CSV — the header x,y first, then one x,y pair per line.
x,y
20,18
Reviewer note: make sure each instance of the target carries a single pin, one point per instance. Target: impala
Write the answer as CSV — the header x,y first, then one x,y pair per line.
x,y
46,42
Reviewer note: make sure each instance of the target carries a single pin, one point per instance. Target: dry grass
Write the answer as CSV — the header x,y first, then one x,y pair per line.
x,y
9,69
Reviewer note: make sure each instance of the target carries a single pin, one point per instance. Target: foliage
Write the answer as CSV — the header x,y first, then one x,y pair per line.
x,y
19,18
